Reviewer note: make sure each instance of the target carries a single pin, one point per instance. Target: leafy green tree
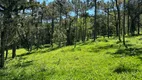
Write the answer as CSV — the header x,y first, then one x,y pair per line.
x,y
6,8
135,11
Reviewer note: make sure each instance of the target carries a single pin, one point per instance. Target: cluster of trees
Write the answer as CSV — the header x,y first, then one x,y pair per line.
x,y
28,24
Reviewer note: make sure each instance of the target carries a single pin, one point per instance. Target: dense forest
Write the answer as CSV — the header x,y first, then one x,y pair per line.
x,y
32,24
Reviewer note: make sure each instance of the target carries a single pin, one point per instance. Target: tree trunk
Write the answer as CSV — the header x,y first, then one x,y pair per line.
x,y
128,22
2,50
68,34
119,23
116,24
108,24
84,30
60,13
68,37
95,18
52,32
116,21
75,30
132,29
119,20
138,25
85,22
14,50
67,31
128,31
37,36
7,17
52,29
6,49
124,26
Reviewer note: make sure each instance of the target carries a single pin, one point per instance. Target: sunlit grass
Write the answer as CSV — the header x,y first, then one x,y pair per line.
x,y
100,60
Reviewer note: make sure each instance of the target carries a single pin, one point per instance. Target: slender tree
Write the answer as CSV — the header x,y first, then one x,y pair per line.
x,y
95,20
119,18
124,11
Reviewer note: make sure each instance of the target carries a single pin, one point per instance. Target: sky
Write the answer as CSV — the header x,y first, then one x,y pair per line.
x,y
53,0
45,0
91,11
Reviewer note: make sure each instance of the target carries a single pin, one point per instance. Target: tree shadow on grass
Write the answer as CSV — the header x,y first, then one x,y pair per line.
x,y
107,47
85,43
39,51
24,64
140,58
130,51
25,54
47,50
133,36
123,69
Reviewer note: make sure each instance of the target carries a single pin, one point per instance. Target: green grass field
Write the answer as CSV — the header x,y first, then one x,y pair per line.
x,y
105,59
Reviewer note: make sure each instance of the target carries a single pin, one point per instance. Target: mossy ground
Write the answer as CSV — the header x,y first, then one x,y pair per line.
x,y
100,60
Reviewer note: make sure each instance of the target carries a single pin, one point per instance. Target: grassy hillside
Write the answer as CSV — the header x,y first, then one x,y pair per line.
x,y
100,60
